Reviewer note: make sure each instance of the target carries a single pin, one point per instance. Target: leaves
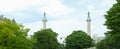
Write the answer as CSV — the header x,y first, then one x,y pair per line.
x,y
13,36
113,24
78,40
113,17
45,39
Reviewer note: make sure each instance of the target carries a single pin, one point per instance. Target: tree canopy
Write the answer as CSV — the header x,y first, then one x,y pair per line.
x,y
113,24
45,39
110,42
13,36
113,18
78,40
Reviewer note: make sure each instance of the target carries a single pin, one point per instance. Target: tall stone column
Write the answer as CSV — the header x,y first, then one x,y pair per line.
x,y
44,21
88,24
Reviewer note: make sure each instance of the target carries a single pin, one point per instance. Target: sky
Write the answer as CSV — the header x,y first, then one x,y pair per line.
x,y
64,16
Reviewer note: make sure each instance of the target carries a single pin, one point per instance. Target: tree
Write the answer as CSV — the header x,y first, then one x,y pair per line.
x,y
45,39
13,36
78,40
113,24
110,42
61,46
101,44
113,18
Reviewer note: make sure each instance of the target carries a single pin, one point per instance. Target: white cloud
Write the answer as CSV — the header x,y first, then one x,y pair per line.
x,y
55,8
34,27
91,7
108,2
67,22
12,5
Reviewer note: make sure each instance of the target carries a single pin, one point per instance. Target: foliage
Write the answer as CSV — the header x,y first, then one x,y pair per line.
x,y
45,39
78,40
61,46
113,18
101,45
13,36
113,24
110,42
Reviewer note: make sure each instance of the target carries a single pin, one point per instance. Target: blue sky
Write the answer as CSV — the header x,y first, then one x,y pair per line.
x,y
64,16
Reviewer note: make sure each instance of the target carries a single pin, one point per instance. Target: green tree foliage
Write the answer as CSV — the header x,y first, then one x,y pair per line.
x,y
78,40
61,46
113,24
113,18
110,42
45,39
13,36
101,45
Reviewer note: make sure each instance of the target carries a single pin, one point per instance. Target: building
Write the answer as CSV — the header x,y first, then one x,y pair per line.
x,y
89,25
44,21
1,17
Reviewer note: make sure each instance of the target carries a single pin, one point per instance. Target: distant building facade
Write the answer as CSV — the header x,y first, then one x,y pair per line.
x,y
1,17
